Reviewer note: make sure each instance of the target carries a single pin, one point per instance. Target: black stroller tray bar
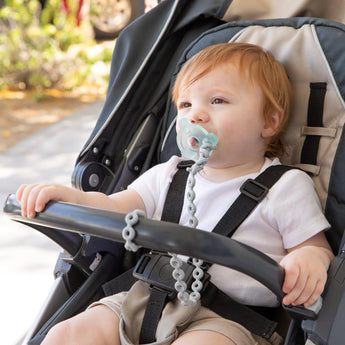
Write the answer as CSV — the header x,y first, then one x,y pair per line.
x,y
156,235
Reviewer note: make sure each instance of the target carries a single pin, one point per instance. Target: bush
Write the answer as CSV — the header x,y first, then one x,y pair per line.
x,y
35,46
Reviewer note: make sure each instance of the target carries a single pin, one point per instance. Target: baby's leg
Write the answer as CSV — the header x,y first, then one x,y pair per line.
x,y
203,338
95,326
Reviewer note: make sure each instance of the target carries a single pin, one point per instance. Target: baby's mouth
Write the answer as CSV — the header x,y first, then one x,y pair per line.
x,y
194,143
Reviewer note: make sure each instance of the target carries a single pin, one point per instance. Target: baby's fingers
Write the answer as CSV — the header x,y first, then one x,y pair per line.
x,y
295,284
292,272
33,198
20,192
303,291
33,201
294,295
306,289
23,195
314,295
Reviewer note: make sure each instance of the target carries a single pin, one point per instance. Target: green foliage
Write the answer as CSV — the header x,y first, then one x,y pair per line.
x,y
35,46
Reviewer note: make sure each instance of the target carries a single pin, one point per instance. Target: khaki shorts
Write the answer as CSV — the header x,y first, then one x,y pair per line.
x,y
175,321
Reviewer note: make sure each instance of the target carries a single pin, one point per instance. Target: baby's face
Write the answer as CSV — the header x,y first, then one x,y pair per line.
x,y
230,106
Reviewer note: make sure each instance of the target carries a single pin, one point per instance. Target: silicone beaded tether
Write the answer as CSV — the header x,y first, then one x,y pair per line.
x,y
197,144
190,138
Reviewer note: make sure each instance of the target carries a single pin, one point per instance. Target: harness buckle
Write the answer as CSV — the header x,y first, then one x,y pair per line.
x,y
254,189
155,269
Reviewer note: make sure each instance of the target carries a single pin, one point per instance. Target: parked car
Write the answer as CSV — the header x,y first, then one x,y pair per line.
x,y
109,17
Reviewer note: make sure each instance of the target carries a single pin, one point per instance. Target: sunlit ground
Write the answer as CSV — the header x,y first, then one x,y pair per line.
x,y
21,115
27,258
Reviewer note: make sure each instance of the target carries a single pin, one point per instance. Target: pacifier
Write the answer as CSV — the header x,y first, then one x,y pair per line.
x,y
190,138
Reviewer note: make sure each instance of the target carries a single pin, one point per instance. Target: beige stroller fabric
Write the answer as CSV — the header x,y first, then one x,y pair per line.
x,y
270,9
308,65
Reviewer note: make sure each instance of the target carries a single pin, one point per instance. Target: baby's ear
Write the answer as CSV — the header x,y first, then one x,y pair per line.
x,y
271,128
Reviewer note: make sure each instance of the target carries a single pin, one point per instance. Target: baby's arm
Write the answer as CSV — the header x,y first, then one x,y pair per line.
x,y
306,268
33,198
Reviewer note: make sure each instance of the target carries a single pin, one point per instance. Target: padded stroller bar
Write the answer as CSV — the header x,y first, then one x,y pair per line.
x,y
157,235
71,242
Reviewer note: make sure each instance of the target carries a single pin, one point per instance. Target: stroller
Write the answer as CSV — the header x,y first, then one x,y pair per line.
x,y
136,129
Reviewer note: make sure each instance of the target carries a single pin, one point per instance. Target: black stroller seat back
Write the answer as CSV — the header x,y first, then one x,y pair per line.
x,y
313,55
124,141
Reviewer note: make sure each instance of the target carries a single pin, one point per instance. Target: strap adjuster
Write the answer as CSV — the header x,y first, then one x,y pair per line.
x,y
254,190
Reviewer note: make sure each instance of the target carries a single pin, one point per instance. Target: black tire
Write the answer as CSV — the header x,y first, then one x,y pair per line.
x,y
109,17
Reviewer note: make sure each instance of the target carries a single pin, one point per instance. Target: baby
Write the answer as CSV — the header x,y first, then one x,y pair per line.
x,y
240,93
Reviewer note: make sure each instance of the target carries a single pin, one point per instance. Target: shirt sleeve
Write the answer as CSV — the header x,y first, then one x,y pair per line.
x,y
296,208
152,186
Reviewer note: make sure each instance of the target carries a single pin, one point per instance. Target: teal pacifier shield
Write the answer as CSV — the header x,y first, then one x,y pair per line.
x,y
191,136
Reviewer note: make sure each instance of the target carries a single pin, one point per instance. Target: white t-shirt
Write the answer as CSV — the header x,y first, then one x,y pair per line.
x,y
289,215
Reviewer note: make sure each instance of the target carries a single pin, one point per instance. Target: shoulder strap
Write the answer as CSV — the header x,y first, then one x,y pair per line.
x,y
175,196
252,193
315,119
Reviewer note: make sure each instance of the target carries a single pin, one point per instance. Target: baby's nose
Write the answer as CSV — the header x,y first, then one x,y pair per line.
x,y
199,115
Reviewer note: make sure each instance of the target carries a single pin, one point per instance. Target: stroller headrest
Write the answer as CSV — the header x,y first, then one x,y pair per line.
x,y
313,63
307,66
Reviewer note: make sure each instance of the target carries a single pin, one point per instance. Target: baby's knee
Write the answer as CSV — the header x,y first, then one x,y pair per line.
x,y
61,333
95,326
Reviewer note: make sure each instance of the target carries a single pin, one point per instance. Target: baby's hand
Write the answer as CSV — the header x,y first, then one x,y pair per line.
x,y
34,197
305,274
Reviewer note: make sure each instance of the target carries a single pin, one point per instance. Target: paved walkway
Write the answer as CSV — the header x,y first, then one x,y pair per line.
x,y
27,258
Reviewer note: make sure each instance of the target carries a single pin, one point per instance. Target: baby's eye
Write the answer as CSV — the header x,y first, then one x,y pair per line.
x,y
183,105
218,101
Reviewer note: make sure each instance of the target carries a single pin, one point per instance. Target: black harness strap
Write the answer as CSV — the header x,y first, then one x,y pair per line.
x,y
315,119
223,305
155,306
122,282
156,303
252,193
171,213
174,199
